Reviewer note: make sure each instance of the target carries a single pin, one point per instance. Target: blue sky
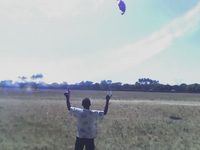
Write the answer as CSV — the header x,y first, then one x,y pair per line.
x,y
80,40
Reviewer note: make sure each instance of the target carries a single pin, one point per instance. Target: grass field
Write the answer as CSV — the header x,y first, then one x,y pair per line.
x,y
38,120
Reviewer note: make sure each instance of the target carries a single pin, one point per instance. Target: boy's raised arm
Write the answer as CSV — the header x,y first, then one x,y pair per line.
x,y
67,95
107,103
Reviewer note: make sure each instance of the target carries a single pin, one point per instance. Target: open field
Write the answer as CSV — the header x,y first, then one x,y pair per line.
x,y
38,120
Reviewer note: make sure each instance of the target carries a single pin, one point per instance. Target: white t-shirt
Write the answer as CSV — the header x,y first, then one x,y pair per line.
x,y
86,121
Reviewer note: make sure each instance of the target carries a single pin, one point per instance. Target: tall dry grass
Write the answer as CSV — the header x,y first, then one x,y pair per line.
x,y
40,121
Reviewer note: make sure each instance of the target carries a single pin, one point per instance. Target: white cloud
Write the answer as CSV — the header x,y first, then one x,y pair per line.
x,y
128,56
54,71
95,67
24,10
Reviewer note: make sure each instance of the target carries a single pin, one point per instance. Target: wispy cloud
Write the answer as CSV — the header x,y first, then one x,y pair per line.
x,y
36,9
109,63
137,52
96,66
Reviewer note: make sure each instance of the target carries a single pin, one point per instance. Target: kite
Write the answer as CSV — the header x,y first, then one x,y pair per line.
x,y
122,6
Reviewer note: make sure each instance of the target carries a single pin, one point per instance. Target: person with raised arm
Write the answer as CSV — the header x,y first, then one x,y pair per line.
x,y
86,121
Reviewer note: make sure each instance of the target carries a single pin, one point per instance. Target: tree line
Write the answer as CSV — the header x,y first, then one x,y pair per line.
x,y
143,85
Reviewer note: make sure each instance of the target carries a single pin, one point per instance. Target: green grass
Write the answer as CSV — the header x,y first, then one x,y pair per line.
x,y
39,121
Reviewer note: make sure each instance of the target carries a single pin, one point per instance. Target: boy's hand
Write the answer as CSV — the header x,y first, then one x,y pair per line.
x,y
67,93
108,97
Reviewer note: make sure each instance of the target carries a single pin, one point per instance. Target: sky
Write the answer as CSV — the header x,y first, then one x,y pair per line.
x,y
81,40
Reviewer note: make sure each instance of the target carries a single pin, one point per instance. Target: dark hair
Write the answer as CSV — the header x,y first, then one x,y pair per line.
x,y
86,102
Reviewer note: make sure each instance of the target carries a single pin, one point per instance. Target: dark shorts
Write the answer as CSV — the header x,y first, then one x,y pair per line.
x,y
81,142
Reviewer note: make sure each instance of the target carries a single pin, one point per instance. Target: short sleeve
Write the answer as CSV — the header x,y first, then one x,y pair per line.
x,y
98,114
75,111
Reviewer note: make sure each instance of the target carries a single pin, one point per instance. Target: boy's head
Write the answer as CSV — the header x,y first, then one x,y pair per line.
x,y
86,103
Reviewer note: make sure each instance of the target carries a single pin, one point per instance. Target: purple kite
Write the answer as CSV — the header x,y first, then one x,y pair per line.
x,y
122,6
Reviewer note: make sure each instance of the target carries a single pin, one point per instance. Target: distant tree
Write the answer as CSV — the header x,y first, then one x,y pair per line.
x,y
6,83
146,81
128,87
96,86
54,85
64,85
85,85
116,86
109,82
193,88
43,85
22,78
105,84
37,76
